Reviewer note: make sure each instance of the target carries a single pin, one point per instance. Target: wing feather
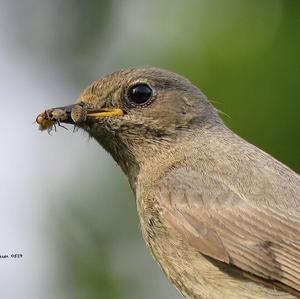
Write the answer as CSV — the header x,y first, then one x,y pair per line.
x,y
220,223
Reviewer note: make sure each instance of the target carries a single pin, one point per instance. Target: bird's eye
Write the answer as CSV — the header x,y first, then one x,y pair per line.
x,y
140,93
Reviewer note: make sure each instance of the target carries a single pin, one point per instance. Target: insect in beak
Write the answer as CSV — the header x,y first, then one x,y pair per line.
x,y
73,114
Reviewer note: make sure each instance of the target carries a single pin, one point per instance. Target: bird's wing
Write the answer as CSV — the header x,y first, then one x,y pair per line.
x,y
222,224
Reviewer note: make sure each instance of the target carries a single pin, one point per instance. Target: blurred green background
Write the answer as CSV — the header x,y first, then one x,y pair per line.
x,y
65,205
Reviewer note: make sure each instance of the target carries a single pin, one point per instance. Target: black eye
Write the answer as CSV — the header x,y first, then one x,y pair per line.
x,y
140,93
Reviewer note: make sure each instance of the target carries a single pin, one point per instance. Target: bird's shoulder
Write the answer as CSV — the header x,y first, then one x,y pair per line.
x,y
230,223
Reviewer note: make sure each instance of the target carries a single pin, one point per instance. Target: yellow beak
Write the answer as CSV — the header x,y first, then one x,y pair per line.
x,y
105,112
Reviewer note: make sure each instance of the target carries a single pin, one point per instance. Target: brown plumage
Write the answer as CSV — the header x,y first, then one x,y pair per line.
x,y
220,216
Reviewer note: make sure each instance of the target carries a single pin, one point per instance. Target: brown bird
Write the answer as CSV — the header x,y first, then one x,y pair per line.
x,y
219,215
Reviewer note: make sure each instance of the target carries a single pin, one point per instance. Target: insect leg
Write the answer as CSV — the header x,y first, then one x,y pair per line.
x,y
60,125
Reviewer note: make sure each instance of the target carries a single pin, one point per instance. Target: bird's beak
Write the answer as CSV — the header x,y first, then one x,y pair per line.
x,y
74,114
104,112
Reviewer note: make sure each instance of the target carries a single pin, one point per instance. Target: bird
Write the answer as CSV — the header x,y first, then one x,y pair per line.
x,y
220,216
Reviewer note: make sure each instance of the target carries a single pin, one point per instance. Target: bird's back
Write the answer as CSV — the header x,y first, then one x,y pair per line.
x,y
223,221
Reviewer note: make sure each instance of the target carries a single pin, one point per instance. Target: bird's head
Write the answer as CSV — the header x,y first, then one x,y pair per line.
x,y
135,113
